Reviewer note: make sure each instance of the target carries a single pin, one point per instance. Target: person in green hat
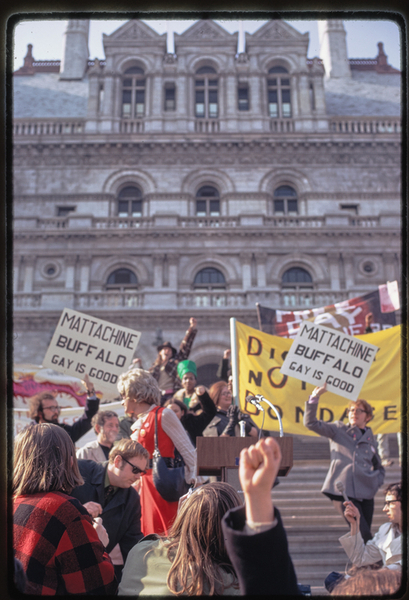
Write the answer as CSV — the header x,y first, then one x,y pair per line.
x,y
187,372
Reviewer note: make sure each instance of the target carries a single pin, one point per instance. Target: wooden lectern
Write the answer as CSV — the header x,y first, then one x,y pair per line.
x,y
218,455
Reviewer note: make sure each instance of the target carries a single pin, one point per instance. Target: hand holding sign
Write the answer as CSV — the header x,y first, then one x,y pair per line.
x,y
318,391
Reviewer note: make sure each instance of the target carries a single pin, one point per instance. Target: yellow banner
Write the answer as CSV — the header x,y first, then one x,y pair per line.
x,y
261,355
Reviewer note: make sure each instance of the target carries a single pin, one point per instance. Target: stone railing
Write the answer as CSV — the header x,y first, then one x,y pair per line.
x,y
87,222
365,125
207,126
282,125
23,127
132,126
190,299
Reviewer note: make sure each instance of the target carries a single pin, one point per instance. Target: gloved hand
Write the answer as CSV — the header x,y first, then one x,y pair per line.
x,y
233,414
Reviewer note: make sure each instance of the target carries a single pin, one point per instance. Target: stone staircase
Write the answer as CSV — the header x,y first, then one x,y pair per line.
x,y
312,524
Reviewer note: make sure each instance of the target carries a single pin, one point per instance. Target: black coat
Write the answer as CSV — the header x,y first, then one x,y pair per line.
x,y
262,562
121,517
80,427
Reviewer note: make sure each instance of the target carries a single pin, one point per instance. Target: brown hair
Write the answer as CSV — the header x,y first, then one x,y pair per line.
x,y
216,390
181,405
101,416
196,542
364,405
370,582
140,386
128,449
394,489
44,461
36,404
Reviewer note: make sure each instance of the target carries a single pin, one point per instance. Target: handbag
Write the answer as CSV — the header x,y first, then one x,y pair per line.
x,y
169,482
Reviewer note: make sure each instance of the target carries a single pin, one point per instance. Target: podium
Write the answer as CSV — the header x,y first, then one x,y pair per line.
x,y
220,455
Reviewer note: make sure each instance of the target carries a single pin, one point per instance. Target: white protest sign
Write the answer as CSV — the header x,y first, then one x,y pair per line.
x,y
321,355
82,344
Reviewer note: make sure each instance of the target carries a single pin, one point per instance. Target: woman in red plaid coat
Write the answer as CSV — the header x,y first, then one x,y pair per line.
x,y
54,537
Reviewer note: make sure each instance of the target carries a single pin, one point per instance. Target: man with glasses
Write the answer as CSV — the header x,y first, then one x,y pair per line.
x,y
108,492
44,408
355,462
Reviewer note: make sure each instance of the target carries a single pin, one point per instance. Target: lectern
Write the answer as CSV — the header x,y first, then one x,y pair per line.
x,y
219,455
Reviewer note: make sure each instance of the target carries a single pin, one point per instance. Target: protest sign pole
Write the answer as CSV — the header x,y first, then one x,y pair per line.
x,y
234,361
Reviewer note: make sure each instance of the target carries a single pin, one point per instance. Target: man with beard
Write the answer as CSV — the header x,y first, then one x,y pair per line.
x,y
106,426
43,408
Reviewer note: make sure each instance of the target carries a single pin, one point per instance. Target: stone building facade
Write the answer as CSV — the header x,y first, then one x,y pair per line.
x,y
163,183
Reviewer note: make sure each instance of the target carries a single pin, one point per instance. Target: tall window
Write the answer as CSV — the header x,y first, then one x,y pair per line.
x,y
297,287
243,96
209,278
170,96
279,93
133,93
122,279
206,86
130,202
285,201
207,202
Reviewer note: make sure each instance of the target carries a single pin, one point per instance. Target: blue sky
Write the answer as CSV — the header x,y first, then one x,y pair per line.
x,y
362,37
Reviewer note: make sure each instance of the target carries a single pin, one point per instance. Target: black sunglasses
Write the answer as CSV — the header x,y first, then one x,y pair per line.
x,y
135,470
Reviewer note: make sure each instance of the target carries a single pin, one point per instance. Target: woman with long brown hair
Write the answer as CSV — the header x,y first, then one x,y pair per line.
x,y
54,537
193,561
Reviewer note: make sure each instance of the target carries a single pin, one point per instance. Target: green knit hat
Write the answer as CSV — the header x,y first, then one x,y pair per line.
x,y
186,366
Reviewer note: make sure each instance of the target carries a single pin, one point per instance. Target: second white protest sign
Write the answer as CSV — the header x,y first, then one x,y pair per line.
x,y
321,355
82,344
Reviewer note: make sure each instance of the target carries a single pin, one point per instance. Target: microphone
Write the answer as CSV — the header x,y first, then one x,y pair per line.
x,y
255,401
340,487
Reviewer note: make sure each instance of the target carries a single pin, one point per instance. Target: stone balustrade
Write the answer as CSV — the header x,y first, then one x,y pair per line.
x,y
372,125
86,222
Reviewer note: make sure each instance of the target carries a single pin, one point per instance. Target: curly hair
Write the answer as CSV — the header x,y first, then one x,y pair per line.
x,y
36,404
196,542
128,449
44,461
216,390
364,405
140,386
369,582
101,416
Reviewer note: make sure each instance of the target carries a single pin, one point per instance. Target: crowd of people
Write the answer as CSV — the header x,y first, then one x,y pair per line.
x,y
92,521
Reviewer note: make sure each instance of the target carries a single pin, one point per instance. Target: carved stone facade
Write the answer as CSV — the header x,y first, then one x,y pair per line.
x,y
162,185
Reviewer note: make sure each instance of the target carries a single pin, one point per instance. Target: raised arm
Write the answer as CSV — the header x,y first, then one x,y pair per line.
x,y
187,342
310,415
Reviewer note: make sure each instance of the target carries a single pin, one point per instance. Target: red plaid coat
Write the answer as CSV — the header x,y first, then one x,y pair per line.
x,y
60,550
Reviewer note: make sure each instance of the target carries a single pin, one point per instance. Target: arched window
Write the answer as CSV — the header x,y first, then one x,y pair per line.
x,y
279,93
207,202
130,202
297,286
133,93
285,201
206,87
122,278
209,277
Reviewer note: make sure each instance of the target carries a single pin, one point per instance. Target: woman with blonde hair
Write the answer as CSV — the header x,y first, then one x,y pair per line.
x,y
141,395
54,537
193,561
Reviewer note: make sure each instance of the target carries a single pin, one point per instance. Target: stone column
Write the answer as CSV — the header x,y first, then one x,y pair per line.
x,y
304,97
389,262
85,263
158,270
245,258
173,261
16,273
333,259
93,97
29,262
108,95
261,269
156,96
70,262
348,269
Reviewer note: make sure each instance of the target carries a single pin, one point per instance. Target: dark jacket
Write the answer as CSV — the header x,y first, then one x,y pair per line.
x,y
196,424
262,561
121,517
171,366
80,427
